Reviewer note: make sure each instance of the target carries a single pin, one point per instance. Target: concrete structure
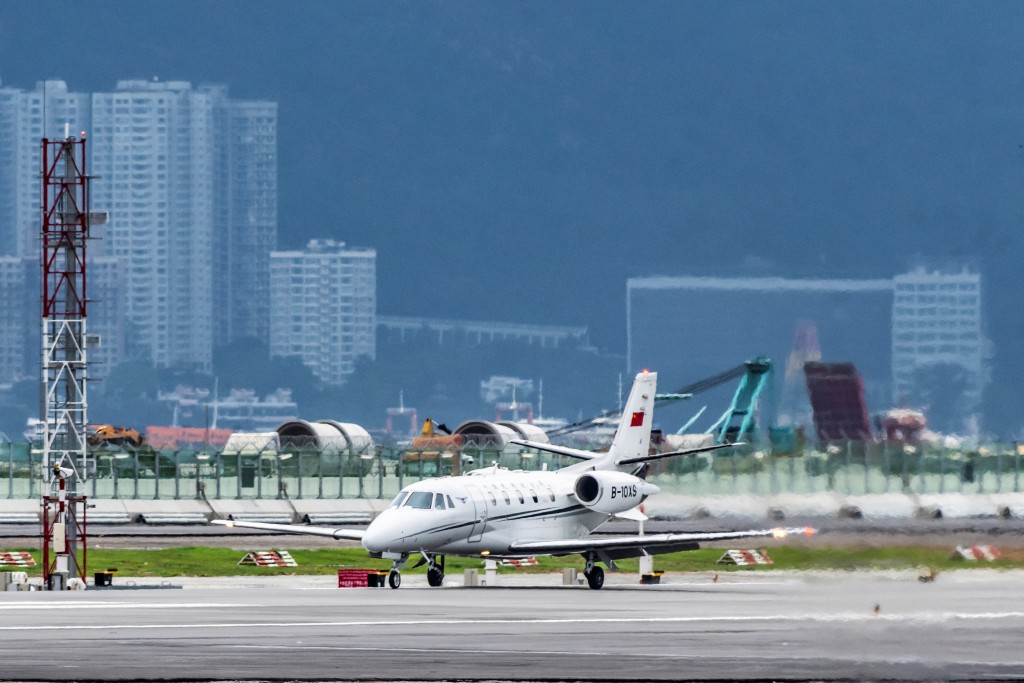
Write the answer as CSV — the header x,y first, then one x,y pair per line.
x,y
405,328
323,306
689,328
894,331
937,321
243,410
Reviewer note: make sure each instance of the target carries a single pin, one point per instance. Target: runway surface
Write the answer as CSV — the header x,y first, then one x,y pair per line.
x,y
965,625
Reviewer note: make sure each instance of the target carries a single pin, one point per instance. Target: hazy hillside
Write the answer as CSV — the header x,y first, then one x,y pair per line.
x,y
518,160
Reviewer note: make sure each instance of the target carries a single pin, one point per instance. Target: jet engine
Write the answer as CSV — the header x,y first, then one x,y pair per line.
x,y
612,492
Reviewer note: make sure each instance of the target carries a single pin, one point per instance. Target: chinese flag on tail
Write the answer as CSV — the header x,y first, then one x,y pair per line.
x,y
638,419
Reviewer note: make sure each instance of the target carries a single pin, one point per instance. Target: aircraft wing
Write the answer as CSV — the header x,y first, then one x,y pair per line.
x,y
619,547
559,450
338,534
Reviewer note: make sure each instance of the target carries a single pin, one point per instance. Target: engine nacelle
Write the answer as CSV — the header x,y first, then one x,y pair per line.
x,y
612,492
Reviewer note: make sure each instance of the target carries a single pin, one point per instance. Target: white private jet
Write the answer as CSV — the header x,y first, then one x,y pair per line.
x,y
499,513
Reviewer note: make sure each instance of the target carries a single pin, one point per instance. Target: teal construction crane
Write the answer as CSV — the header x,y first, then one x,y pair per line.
x,y
738,420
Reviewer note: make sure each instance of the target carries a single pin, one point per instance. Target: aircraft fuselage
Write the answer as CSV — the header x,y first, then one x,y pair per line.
x,y
482,513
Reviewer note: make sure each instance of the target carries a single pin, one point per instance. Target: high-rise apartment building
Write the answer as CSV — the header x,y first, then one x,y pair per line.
x,y
108,322
247,220
323,305
189,179
25,118
937,323
153,147
20,325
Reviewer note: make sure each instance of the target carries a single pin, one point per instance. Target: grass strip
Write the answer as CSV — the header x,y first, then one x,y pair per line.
x,y
213,561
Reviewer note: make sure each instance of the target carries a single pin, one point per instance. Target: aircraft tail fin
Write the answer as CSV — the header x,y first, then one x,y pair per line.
x,y
633,437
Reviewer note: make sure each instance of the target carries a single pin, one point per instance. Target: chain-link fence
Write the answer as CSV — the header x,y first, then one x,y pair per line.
x,y
305,471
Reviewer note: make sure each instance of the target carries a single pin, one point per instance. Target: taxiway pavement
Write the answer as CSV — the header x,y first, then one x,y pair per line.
x,y
963,625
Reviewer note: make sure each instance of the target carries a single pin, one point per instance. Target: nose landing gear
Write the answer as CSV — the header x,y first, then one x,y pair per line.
x,y
395,576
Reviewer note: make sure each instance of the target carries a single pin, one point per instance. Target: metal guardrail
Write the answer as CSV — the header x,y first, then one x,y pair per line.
x,y
269,517
173,518
337,518
850,467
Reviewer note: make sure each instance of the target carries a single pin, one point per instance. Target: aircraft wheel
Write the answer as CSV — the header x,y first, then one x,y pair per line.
x,y
394,578
595,579
435,576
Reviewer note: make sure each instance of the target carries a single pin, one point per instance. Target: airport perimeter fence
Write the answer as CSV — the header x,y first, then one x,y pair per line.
x,y
849,467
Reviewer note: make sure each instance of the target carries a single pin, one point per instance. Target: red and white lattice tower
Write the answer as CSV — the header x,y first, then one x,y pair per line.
x,y
65,229
64,399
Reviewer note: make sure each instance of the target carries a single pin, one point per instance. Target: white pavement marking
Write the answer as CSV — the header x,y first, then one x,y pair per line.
x,y
859,656
113,605
921,617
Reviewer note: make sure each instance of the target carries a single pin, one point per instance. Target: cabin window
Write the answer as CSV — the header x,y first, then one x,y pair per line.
x,y
551,494
508,501
438,501
520,494
451,503
533,494
420,499
494,501
397,502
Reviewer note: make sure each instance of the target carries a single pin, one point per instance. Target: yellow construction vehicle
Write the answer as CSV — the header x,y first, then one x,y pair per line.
x,y
110,434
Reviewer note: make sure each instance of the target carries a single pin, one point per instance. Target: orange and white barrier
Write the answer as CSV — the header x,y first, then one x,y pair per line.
x,y
745,558
17,559
976,552
519,562
269,558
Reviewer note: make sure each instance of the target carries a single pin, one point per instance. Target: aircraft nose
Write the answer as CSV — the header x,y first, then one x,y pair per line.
x,y
376,536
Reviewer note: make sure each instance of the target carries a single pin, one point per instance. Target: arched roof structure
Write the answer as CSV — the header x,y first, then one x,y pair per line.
x,y
324,434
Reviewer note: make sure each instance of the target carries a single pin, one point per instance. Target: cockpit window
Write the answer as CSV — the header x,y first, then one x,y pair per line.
x,y
451,503
438,501
397,502
420,499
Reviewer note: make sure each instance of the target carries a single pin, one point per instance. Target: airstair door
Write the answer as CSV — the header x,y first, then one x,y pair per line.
x,y
480,514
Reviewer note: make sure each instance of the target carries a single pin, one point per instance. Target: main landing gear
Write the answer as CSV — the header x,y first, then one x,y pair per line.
x,y
435,570
594,574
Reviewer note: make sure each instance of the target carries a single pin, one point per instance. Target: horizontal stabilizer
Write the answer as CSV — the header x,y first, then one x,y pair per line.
x,y
559,450
688,451
338,534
